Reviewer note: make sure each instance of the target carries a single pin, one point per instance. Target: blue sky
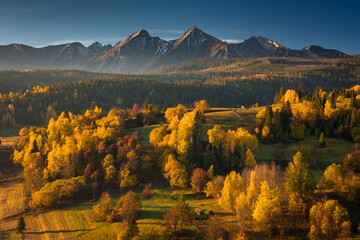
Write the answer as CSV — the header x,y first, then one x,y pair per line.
x,y
295,24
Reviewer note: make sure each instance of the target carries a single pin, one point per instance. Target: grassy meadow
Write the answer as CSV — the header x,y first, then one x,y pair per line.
x,y
75,222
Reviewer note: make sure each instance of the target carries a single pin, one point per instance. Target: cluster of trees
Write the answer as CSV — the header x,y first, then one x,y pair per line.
x,y
182,146
232,149
127,209
334,114
343,180
8,117
264,198
177,140
177,217
280,125
267,199
78,152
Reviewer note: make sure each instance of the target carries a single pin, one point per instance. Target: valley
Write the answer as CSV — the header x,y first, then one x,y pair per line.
x,y
179,120
75,221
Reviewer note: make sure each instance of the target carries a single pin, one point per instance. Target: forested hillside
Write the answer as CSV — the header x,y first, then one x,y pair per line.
x,y
271,65
212,80
13,81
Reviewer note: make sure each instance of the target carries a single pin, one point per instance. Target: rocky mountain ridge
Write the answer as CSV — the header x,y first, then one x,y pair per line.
x,y
141,52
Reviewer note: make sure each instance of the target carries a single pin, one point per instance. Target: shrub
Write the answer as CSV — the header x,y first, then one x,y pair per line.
x,y
147,193
103,210
59,192
180,215
128,207
352,162
199,180
329,220
215,186
215,229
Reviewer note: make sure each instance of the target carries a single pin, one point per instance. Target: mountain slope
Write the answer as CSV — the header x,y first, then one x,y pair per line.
x,y
256,47
309,51
64,56
141,52
97,47
193,44
130,54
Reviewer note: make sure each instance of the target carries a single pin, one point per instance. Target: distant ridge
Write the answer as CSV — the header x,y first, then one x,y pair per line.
x,y
141,52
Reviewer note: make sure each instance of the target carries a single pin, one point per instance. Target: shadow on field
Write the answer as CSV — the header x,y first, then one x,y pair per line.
x,y
83,206
58,231
153,214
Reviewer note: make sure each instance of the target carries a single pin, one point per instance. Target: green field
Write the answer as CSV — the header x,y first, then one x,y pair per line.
x,y
141,132
232,118
334,152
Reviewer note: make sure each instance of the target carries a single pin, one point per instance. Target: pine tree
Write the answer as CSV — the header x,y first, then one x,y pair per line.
x,y
232,187
286,116
180,215
277,125
353,118
298,177
185,212
296,210
329,220
104,208
128,207
210,172
215,186
175,172
250,159
20,225
267,208
322,142
281,93
268,116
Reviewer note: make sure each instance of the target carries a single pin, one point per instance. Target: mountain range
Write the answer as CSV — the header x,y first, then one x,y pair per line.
x,y
141,52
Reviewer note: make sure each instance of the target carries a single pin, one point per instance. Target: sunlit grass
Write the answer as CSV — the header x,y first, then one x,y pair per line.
x,y
141,132
11,199
76,222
